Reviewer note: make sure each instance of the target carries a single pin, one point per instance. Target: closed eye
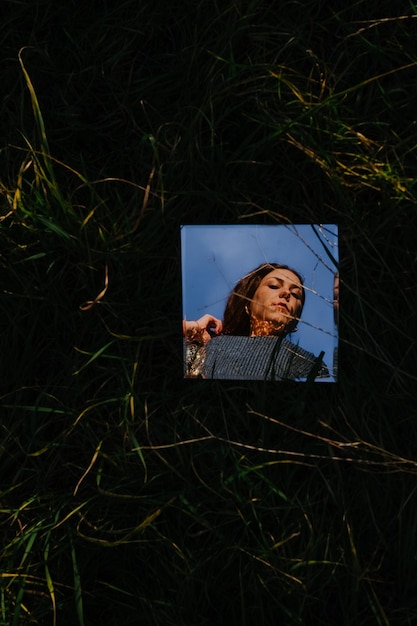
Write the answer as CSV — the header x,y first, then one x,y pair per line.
x,y
296,294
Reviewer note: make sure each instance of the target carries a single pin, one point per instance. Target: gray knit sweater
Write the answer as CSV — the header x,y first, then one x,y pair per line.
x,y
229,357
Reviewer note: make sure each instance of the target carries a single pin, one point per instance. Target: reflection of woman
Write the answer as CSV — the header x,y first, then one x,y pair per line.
x,y
262,309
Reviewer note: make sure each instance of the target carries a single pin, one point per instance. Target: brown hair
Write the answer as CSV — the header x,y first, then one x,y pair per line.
x,y
236,319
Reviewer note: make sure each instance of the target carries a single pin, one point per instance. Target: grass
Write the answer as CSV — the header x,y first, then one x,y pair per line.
x,y
127,493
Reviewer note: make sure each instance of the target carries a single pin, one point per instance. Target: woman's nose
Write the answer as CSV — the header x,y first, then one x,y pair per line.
x,y
284,293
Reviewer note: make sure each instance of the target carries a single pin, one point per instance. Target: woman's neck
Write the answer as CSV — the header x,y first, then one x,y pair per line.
x,y
264,328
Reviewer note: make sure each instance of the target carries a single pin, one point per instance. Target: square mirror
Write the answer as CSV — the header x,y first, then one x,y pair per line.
x,y
260,302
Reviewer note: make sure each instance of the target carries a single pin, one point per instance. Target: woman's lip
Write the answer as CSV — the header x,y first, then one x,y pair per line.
x,y
281,304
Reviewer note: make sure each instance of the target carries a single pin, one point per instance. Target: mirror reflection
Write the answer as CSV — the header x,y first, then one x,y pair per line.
x,y
260,302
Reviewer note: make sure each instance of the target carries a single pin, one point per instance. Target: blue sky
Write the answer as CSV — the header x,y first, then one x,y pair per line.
x,y
214,258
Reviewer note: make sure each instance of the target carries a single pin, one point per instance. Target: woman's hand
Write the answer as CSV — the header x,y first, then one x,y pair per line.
x,y
201,330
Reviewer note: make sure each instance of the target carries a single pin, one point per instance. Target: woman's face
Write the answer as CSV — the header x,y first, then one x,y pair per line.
x,y
276,302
